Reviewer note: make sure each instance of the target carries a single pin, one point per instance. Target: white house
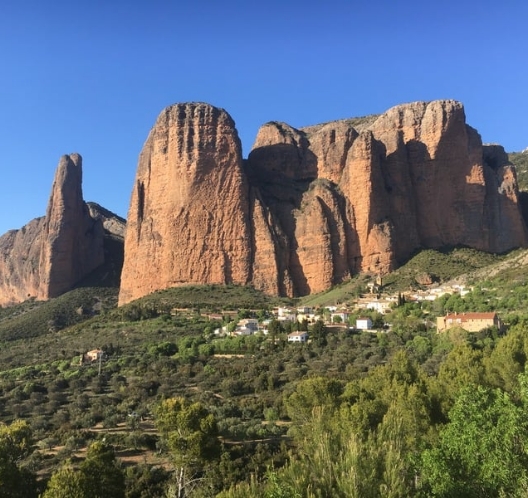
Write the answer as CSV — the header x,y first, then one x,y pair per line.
x,y
363,323
284,312
305,310
381,306
298,337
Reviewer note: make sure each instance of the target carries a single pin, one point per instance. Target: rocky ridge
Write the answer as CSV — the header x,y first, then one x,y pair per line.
x,y
49,255
311,207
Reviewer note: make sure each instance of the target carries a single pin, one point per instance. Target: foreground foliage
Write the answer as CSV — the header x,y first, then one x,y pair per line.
x,y
175,410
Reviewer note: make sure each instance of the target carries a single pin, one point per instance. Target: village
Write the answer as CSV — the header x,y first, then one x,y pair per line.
x,y
357,316
373,312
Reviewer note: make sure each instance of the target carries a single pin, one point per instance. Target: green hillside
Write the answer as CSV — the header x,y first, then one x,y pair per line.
x,y
439,266
256,416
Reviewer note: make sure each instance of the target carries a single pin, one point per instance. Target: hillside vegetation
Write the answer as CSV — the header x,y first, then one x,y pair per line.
x,y
439,266
174,406
520,160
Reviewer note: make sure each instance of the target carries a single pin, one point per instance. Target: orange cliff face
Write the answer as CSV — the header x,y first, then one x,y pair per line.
x,y
311,207
188,220
72,240
49,255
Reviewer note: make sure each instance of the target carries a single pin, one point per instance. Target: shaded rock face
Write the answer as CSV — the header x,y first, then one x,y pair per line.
x,y
49,255
188,220
114,226
20,263
312,206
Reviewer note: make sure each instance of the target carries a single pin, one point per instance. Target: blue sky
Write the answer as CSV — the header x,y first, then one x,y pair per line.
x,y
92,76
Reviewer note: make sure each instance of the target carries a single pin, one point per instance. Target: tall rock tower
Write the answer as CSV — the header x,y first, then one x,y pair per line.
x,y
72,241
188,220
49,255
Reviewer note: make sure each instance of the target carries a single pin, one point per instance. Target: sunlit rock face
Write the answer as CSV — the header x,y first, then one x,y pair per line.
x,y
49,255
310,207
188,220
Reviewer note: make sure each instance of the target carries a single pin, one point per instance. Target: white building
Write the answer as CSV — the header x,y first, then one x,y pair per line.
x,y
380,305
244,331
305,310
298,337
281,312
364,323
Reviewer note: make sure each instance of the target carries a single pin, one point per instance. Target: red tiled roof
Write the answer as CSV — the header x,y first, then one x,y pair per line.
x,y
464,317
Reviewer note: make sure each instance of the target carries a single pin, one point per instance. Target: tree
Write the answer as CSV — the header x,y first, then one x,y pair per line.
x,y
462,366
319,333
191,435
508,359
482,451
145,481
66,483
99,476
420,347
274,329
102,474
312,393
16,444
303,325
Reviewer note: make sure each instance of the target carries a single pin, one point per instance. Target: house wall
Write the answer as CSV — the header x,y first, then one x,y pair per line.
x,y
469,324
363,324
297,338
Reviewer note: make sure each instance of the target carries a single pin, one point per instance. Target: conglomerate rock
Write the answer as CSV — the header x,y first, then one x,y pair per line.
x,y
188,220
49,255
310,207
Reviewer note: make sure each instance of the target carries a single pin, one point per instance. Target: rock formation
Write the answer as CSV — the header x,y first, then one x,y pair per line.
x,y
313,206
49,255
19,263
188,220
113,225
72,241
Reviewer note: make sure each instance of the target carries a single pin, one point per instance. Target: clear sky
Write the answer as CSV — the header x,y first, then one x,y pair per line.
x,y
91,76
